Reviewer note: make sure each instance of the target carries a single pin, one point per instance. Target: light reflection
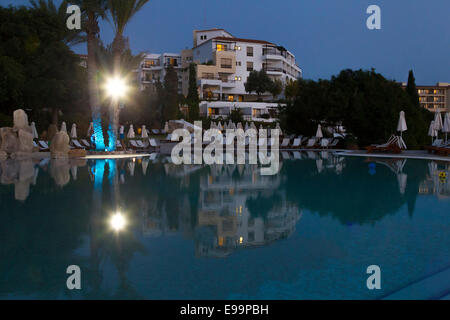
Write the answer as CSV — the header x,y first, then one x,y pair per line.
x,y
118,222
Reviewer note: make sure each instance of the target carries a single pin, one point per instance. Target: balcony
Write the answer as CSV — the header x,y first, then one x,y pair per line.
x,y
150,66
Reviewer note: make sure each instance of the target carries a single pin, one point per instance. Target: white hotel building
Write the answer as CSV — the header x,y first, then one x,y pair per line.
x,y
153,69
223,63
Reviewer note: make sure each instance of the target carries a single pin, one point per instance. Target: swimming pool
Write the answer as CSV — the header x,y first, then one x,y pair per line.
x,y
225,231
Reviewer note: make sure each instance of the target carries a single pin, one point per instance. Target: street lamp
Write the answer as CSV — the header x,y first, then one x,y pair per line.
x,y
116,87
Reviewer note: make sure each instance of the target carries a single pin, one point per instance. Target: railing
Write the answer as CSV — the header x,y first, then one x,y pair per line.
x,y
274,69
274,52
148,66
218,78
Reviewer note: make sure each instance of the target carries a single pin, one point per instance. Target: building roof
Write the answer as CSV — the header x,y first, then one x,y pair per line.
x,y
213,29
242,40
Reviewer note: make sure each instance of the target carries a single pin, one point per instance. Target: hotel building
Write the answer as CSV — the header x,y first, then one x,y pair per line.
x,y
223,63
434,98
154,68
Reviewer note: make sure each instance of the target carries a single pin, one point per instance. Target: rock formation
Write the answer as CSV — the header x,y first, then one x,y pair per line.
x,y
59,147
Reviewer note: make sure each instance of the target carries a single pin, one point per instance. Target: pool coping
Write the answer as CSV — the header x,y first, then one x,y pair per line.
x,y
419,156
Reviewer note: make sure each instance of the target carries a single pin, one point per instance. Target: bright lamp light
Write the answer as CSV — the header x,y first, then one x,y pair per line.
x,y
116,87
118,222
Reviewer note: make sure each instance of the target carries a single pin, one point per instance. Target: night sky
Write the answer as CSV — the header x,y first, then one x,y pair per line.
x,y
326,36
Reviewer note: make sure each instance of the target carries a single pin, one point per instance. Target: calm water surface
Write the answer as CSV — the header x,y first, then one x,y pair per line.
x,y
222,232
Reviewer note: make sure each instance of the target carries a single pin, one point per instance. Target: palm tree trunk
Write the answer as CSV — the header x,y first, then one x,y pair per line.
x,y
118,47
94,100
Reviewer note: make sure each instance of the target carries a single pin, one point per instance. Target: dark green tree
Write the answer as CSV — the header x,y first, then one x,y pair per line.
x,y
259,82
367,104
276,88
169,105
236,115
192,99
411,88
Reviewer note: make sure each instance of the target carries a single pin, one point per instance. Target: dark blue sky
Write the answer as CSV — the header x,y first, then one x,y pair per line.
x,y
325,35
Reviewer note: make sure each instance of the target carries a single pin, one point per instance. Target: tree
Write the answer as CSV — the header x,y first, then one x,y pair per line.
x,y
192,98
259,82
236,115
276,88
291,89
411,88
367,105
121,12
39,71
169,95
93,11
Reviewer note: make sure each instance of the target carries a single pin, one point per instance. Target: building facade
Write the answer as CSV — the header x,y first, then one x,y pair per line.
x,y
223,63
434,98
153,69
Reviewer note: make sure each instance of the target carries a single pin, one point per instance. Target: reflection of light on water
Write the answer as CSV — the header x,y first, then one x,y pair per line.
x,y
118,222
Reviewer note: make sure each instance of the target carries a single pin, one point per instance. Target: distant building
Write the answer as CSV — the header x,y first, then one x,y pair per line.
x,y
154,66
434,98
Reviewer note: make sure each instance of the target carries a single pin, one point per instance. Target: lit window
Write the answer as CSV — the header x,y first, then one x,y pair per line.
x,y
236,78
231,98
238,48
221,47
241,240
220,241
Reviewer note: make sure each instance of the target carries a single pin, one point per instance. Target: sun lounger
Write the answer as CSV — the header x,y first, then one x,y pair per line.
x,y
311,143
285,143
86,144
77,144
153,143
393,145
443,151
437,144
297,143
155,131
324,143
134,145
140,144
43,145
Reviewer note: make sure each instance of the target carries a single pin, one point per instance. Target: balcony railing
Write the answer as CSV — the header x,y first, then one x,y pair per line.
x,y
207,77
148,66
275,52
273,69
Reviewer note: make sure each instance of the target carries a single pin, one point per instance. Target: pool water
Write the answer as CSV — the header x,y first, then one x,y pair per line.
x,y
225,231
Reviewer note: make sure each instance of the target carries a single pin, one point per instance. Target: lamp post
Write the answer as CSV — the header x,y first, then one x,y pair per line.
x,y
116,88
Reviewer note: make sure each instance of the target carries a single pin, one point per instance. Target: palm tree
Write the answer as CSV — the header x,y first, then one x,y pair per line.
x,y
69,37
93,10
120,12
